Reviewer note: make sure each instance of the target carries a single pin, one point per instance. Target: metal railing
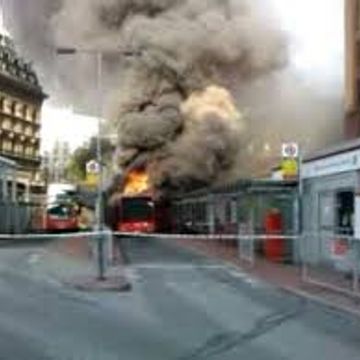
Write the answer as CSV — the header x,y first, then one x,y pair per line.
x,y
19,218
331,261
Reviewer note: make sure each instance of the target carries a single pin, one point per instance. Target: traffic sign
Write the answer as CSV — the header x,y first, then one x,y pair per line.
x,y
289,168
290,150
92,179
92,167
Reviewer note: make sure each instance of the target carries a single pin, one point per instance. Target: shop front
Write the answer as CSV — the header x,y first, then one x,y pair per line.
x,y
331,182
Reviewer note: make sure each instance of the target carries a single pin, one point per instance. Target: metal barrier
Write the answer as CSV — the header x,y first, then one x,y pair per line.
x,y
17,218
331,261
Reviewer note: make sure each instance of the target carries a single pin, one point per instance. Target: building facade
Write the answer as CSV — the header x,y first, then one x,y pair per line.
x,y
352,68
56,161
21,99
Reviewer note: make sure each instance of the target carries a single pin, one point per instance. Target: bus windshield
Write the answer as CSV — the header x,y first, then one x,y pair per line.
x,y
137,209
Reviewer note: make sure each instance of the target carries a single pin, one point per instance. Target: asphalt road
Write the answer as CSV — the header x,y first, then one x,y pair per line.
x,y
182,307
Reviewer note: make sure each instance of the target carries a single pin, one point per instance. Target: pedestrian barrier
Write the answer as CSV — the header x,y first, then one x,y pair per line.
x,y
327,260
18,218
331,261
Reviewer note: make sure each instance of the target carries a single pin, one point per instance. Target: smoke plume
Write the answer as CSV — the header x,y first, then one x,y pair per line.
x,y
172,111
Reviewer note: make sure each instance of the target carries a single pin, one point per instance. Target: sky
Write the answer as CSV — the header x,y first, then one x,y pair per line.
x,y
315,33
65,125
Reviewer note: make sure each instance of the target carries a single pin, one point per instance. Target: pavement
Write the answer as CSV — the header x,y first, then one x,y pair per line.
x,y
182,306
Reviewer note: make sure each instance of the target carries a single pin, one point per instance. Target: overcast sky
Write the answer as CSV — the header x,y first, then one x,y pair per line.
x,y
315,29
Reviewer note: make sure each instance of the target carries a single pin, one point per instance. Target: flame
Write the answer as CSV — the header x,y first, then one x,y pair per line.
x,y
137,181
214,100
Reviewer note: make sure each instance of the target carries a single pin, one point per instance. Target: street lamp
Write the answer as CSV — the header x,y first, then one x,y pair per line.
x,y
98,54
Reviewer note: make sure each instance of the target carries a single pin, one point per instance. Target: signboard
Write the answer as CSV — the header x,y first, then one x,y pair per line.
x,y
289,163
349,161
289,168
290,150
92,179
92,167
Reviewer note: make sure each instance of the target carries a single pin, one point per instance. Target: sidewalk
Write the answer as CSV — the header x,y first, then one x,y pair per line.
x,y
287,277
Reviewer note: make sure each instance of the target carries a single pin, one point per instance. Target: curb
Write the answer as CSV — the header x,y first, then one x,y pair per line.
x,y
319,300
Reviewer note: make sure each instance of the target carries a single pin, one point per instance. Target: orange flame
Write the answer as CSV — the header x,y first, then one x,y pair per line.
x,y
137,181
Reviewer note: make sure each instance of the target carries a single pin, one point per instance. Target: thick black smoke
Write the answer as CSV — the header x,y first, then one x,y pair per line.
x,y
179,51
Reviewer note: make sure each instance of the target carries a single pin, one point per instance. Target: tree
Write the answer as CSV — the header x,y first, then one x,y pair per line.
x,y
76,169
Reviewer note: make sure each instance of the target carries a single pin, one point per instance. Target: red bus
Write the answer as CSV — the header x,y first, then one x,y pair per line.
x,y
61,217
139,214
136,214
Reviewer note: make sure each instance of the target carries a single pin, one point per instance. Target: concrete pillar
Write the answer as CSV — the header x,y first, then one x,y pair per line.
x,y
5,187
14,189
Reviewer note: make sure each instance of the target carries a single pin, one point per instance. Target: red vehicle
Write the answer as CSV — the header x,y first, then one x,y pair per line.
x,y
61,217
136,214
139,214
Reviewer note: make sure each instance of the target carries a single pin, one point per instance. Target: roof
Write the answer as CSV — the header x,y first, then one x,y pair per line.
x,y
244,185
339,148
15,71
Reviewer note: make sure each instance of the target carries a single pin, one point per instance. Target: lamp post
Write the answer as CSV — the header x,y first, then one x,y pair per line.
x,y
65,51
98,54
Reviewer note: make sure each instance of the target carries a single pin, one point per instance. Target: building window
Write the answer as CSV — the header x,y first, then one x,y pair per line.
x,y
29,151
18,128
345,212
7,106
35,116
18,148
18,109
6,124
29,131
29,113
6,145
336,211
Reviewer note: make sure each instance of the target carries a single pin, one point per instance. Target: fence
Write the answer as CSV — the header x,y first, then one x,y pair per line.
x,y
18,218
331,261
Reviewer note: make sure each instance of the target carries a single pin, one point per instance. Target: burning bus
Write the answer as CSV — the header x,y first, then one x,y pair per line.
x,y
135,209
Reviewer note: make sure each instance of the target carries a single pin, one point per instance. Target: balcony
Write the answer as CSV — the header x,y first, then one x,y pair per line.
x,y
20,156
25,120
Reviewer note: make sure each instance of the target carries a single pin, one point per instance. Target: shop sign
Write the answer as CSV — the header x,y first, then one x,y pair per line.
x,y
349,161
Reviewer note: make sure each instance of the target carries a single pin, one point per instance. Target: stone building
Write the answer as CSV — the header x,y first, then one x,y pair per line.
x,y
21,99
